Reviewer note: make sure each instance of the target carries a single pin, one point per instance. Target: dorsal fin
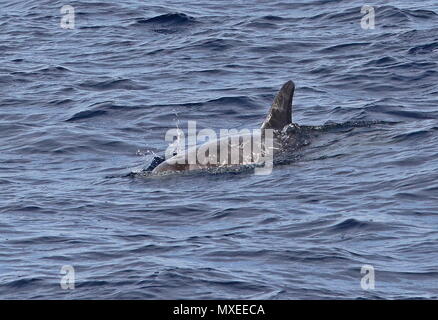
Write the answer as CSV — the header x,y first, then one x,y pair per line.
x,y
280,113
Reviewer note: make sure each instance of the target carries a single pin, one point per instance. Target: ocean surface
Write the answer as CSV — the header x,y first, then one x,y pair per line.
x,y
84,110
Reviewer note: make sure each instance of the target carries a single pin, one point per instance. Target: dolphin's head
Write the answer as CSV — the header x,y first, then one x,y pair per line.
x,y
170,166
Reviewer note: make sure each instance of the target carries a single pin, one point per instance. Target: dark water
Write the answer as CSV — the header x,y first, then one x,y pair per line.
x,y
81,108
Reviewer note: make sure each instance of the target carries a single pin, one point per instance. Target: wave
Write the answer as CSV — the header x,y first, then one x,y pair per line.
x,y
387,16
125,84
167,23
424,48
357,225
400,113
397,14
169,18
416,135
98,109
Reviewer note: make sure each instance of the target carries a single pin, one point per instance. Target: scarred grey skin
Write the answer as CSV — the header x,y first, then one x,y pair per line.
x,y
278,119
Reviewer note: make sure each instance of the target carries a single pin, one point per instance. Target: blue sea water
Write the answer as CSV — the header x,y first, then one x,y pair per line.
x,y
80,109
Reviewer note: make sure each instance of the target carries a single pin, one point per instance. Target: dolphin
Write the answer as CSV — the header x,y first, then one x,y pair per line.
x,y
278,122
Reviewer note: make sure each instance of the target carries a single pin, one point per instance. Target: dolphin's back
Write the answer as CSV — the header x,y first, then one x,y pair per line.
x,y
234,150
238,153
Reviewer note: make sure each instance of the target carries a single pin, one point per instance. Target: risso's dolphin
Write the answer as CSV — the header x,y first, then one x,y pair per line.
x,y
277,133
